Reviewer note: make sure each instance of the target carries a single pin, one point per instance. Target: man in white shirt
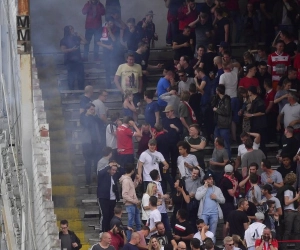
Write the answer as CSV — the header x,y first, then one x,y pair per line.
x,y
111,134
185,81
100,108
254,231
154,216
148,161
203,231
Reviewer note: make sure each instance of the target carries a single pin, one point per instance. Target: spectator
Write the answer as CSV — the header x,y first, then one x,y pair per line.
x,y
260,55
107,194
203,231
154,216
70,46
172,99
210,197
104,161
151,109
181,245
131,35
266,192
111,134
68,238
144,140
261,75
218,64
163,86
270,176
143,234
252,155
149,160
187,14
266,242
195,244
250,22
290,47
223,48
129,108
179,199
154,244
182,229
91,139
291,215
209,245
271,217
124,140
86,97
245,183
250,80
185,81
218,161
164,238
207,60
94,10
184,64
297,62
195,102
150,191
223,116
278,63
238,221
154,174
281,96
183,44
198,57
174,129
186,113
118,237
130,75
133,243
222,24
117,219
292,77
101,111
254,193
105,242
229,243
130,199
286,166
255,231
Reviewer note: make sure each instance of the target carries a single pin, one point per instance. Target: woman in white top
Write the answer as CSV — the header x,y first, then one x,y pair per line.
x,y
150,191
154,244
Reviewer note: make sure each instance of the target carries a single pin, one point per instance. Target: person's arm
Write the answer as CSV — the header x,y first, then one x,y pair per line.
x,y
174,244
279,99
86,8
201,87
187,238
165,96
179,46
140,170
201,191
279,118
293,123
243,182
182,119
279,211
278,185
193,24
130,106
137,132
199,146
118,84
65,50
166,165
109,47
246,225
227,225
268,109
156,117
140,83
226,28
256,137
185,196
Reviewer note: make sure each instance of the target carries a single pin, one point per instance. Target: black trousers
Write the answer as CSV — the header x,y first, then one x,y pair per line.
x,y
106,209
75,70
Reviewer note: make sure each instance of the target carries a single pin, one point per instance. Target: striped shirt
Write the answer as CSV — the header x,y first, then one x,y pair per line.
x,y
278,64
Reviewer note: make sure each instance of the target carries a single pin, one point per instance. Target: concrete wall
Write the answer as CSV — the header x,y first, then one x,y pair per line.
x,y
49,17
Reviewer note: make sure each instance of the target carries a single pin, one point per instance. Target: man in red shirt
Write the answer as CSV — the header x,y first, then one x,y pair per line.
x,y
94,10
124,141
187,14
249,79
278,63
271,109
118,237
266,242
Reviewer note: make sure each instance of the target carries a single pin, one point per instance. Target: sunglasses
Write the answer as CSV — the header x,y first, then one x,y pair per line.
x,y
230,244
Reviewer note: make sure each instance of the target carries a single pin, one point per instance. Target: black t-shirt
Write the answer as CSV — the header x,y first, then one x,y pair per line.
x,y
164,239
195,102
185,51
208,60
71,42
163,146
98,247
189,71
226,185
183,229
178,202
290,48
284,171
290,147
84,101
236,220
251,209
132,39
261,80
200,153
220,24
141,59
129,246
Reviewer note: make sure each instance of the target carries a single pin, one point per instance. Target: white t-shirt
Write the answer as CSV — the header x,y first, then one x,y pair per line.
x,y
112,194
111,138
289,193
242,149
230,80
145,203
191,160
150,162
154,217
208,234
100,108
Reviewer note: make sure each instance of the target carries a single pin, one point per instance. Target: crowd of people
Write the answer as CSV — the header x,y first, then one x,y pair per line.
x,y
205,96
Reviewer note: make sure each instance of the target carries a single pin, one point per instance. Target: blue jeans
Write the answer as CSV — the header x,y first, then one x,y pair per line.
x,y
133,217
225,134
212,221
165,220
89,33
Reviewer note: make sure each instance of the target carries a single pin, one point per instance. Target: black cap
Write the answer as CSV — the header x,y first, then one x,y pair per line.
x,y
207,175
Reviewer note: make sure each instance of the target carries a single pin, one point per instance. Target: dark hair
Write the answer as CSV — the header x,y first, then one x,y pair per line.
x,y
118,209
290,129
227,52
279,41
127,119
285,155
88,105
270,202
114,116
129,168
129,54
154,174
253,178
168,247
142,44
67,31
262,63
285,33
268,82
131,20
64,222
193,88
196,126
187,27
200,46
199,221
110,19
149,94
292,69
219,11
208,243
248,143
106,151
184,145
221,89
186,58
146,228
182,213
220,141
262,48
158,223
244,134
254,164
200,70
153,201
267,163
241,202
195,243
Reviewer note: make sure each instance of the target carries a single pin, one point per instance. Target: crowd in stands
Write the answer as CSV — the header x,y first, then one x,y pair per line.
x,y
205,98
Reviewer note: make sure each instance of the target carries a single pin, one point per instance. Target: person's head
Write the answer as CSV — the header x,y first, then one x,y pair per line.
x,y
199,73
181,245
226,56
253,167
218,61
160,227
143,47
244,136
105,239
193,88
223,47
261,51
251,70
267,84
152,145
226,66
259,217
286,161
195,243
129,168
209,179
154,174
242,92
248,58
211,47
145,127
290,179
219,142
286,85
265,165
110,22
145,231
130,59
229,169
191,3
64,225
200,224
88,90
135,239
219,13
149,16
284,35
195,173
253,178
262,67
248,143
237,240
169,110
114,117
151,188
200,49
185,96
266,235
271,206
131,24
68,30
292,97
228,243
183,147
186,31
208,244
184,61
90,109
117,228
292,73
148,95
153,201
279,46
266,189
252,92
127,119
181,214
118,210
179,183
154,244
113,168
128,95
182,75
220,90
107,152
169,75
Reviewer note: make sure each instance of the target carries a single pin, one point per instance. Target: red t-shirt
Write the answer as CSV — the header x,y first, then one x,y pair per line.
x,y
124,140
232,5
246,82
269,97
184,19
116,240
297,64
275,60
266,246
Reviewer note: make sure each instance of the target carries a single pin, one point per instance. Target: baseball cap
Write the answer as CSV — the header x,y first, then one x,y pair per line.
x,y
228,168
259,216
223,44
168,108
207,175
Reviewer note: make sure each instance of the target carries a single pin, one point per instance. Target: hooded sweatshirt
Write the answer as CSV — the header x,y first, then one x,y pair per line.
x,y
253,233
128,190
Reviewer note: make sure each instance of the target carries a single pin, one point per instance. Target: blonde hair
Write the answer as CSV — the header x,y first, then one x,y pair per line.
x,y
290,179
237,240
149,189
150,244
185,96
127,93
